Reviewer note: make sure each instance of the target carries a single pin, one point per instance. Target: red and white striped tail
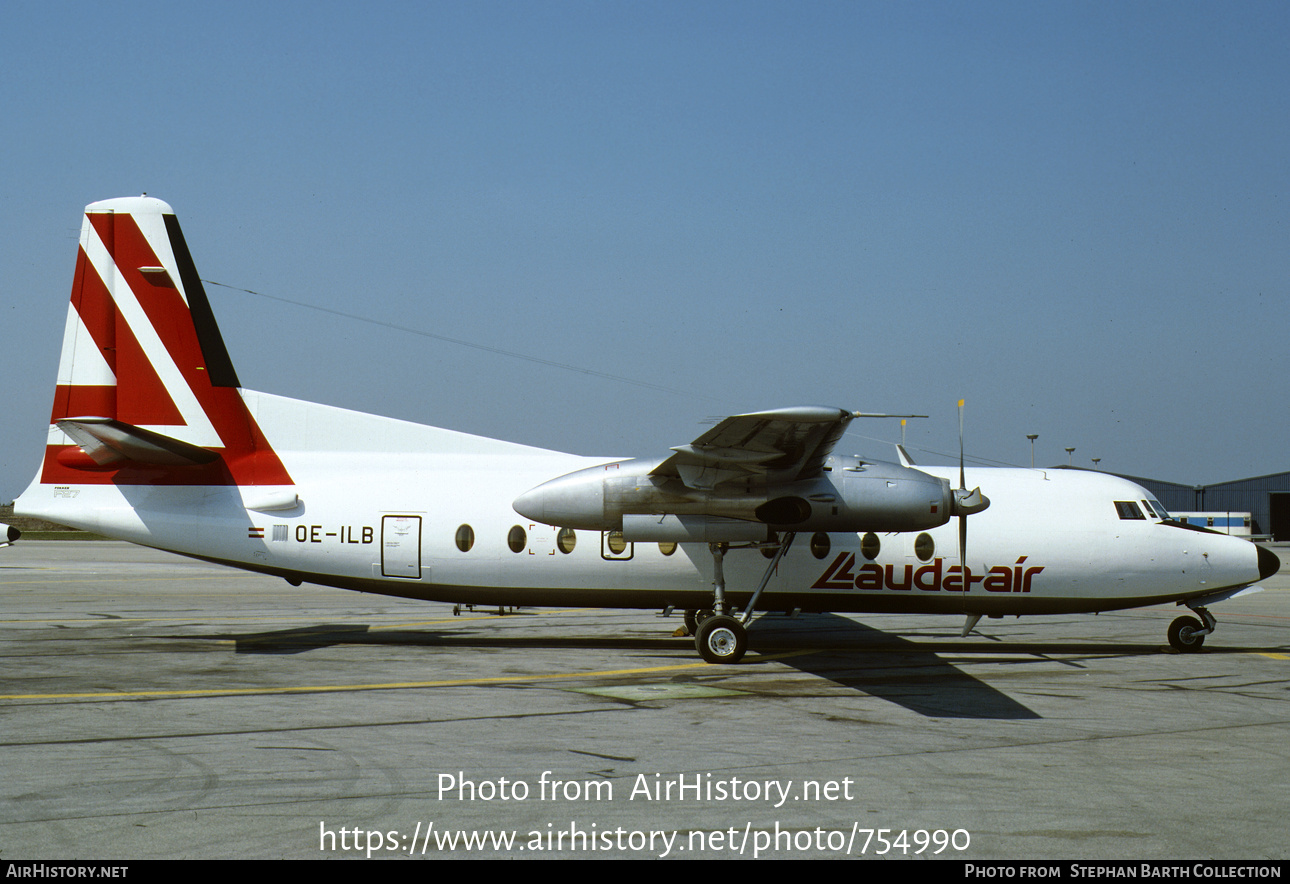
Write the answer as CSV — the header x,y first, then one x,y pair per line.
x,y
144,368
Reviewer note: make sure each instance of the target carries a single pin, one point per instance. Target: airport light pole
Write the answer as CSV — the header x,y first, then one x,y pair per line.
x,y
1032,437
1070,457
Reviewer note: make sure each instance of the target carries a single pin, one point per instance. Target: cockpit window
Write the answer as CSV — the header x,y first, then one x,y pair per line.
x,y
1146,505
1160,511
1127,509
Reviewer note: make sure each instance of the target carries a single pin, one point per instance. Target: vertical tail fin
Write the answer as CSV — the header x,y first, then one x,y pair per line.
x,y
144,368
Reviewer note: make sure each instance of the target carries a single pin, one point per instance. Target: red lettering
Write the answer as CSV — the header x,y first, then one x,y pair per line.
x,y
999,580
892,584
928,577
839,575
843,574
955,582
870,577
1030,572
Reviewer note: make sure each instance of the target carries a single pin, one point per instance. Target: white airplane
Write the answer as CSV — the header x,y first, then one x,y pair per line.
x,y
154,441
8,534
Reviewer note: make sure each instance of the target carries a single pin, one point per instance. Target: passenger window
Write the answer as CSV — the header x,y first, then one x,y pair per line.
x,y
820,544
666,547
465,538
516,539
614,546
566,540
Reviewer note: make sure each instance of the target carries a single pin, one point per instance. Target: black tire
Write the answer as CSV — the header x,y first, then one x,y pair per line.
x,y
691,619
721,639
1183,637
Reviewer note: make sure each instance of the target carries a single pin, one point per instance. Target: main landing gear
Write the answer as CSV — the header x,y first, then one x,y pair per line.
x,y
721,637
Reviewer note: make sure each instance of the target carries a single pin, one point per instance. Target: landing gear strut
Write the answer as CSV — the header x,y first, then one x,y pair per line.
x,y
723,638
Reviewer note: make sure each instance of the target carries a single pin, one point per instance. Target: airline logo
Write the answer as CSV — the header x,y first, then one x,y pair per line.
x,y
133,351
934,576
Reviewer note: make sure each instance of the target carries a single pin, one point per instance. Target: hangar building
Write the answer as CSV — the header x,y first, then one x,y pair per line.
x,y
1265,498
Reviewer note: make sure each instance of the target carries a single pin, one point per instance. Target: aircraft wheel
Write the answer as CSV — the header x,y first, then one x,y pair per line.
x,y
1182,635
721,639
693,619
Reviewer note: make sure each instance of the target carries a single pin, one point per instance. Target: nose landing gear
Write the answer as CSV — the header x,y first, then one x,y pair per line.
x,y
1187,634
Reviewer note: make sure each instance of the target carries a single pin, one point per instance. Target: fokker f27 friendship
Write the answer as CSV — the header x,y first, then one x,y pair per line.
x,y
154,441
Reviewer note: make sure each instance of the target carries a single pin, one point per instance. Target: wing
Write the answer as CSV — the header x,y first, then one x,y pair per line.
x,y
783,445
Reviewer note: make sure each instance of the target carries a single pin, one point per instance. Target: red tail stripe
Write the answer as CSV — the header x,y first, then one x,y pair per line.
x,y
142,401
162,304
83,400
140,396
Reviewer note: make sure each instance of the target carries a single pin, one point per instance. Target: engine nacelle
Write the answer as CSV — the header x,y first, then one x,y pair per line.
x,y
640,528
851,496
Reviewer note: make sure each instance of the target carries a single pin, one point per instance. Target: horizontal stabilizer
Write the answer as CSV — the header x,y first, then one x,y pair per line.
x,y
109,441
272,500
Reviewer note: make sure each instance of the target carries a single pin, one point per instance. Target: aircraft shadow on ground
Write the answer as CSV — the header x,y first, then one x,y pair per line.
x,y
912,674
908,673
311,638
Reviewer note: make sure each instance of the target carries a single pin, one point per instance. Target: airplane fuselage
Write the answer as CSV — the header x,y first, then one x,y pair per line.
x,y
1052,540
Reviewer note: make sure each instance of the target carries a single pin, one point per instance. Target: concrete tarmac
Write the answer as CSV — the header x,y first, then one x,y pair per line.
x,y
156,707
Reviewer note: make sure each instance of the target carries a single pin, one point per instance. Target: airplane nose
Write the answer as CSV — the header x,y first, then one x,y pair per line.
x,y
1269,564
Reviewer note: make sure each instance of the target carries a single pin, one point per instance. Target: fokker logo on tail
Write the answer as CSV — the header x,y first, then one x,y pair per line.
x,y
146,391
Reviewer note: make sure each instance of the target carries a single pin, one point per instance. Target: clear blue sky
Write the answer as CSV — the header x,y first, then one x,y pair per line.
x,y
1074,215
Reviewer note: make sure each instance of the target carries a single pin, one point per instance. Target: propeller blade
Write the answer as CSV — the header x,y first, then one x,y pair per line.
x,y
962,481
958,495
963,545
965,503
